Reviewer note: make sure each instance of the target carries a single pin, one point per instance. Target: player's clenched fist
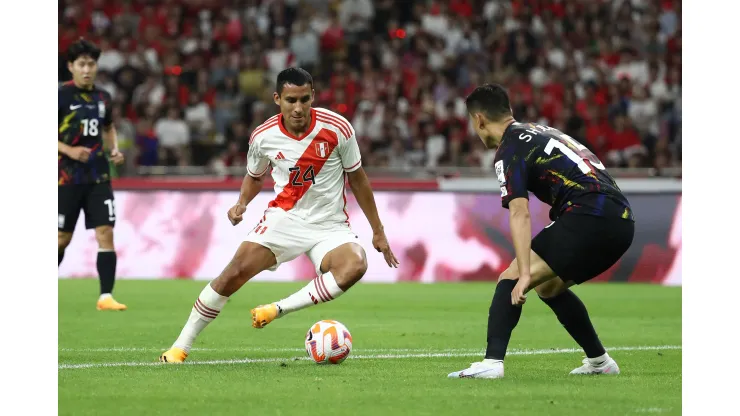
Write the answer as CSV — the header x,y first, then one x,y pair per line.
x,y
235,213
116,157
79,153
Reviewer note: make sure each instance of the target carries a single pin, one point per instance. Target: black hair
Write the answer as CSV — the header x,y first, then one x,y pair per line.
x,y
295,76
82,47
491,100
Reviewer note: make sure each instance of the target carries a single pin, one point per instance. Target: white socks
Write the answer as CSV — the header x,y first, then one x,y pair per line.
x,y
598,361
321,289
208,305
206,308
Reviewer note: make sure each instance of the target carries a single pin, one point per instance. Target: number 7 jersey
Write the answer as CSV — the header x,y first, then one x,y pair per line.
x,y
558,170
308,170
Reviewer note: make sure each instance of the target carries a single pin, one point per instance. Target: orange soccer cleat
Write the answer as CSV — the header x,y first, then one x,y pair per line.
x,y
263,315
173,356
110,304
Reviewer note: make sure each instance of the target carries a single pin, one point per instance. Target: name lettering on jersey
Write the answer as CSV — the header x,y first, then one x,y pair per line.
x,y
543,128
322,149
528,137
534,130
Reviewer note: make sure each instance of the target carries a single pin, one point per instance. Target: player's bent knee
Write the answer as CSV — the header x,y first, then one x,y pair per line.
x,y
356,268
250,264
249,260
539,270
350,271
548,291
346,262
104,236
551,288
233,277
511,273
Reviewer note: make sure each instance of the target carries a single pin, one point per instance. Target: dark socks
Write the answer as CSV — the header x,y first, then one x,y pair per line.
x,y
502,318
572,314
107,270
61,257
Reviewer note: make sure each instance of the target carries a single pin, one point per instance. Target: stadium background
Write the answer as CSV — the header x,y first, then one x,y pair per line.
x,y
192,78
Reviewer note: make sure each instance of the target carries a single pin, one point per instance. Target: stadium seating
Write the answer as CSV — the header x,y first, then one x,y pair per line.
x,y
192,78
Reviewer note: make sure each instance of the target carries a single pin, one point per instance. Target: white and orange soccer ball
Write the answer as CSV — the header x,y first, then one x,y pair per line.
x,y
328,342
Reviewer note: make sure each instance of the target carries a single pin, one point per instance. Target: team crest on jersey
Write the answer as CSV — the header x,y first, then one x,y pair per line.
x,y
101,109
500,171
322,149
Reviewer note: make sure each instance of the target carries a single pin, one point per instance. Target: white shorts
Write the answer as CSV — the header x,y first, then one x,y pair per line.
x,y
288,237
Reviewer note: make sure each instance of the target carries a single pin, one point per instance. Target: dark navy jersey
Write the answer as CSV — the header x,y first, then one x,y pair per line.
x,y
558,170
83,115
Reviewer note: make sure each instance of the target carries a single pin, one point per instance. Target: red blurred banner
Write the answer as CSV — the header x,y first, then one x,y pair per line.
x,y
437,236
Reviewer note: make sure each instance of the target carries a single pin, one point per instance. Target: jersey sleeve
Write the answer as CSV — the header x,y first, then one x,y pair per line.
x,y
512,172
257,163
349,152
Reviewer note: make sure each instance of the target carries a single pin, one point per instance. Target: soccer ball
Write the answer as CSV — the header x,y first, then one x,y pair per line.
x,y
328,342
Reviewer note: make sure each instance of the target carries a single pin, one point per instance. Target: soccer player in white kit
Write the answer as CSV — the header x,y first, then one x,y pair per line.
x,y
311,151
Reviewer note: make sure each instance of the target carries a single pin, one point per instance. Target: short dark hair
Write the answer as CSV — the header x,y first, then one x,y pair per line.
x,y
82,47
295,76
491,100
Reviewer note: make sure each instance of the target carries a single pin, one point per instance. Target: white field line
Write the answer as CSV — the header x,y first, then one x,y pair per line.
x,y
262,349
450,353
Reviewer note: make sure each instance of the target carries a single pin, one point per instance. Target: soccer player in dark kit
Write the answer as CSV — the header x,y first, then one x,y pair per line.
x,y
592,228
85,124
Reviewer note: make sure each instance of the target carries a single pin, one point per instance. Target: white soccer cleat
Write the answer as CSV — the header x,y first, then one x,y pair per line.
x,y
481,369
609,366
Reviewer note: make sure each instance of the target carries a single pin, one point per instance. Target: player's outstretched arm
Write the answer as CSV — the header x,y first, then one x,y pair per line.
x,y
360,185
251,186
521,233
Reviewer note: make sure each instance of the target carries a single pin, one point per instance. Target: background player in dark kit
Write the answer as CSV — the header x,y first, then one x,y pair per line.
x,y
592,228
85,125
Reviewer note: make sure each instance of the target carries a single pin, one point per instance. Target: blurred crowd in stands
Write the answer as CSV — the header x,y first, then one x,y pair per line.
x,y
191,79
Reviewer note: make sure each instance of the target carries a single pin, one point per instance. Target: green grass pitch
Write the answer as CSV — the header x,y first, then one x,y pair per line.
x,y
406,337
